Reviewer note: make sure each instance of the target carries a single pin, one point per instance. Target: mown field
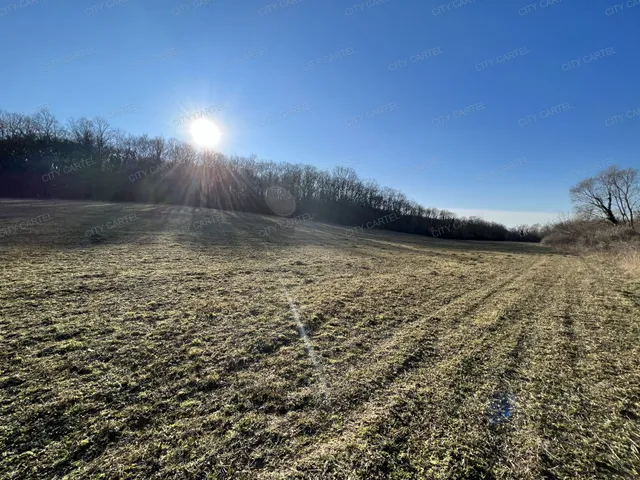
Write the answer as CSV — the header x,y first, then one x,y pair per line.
x,y
170,342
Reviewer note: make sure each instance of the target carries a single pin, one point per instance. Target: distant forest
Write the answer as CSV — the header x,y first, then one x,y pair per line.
x,y
87,159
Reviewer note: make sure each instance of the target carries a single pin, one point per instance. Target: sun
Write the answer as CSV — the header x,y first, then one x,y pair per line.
x,y
205,132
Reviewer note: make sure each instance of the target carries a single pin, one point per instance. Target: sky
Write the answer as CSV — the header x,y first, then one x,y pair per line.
x,y
492,108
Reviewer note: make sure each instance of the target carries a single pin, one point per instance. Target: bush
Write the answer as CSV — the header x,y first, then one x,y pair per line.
x,y
589,235
619,243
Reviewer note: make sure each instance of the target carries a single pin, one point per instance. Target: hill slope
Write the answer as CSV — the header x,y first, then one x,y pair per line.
x,y
159,341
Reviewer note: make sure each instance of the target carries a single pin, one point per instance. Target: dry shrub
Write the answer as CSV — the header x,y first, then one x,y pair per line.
x,y
618,243
589,236
629,259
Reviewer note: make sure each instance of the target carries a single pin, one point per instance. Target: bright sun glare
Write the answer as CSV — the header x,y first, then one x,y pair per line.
x,y
205,132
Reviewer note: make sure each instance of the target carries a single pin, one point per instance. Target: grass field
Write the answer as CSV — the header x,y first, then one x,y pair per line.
x,y
170,342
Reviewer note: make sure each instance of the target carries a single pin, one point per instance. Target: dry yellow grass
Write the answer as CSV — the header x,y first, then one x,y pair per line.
x,y
151,350
629,260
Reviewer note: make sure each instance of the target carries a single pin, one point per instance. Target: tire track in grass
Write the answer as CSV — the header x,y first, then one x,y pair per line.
x,y
325,403
408,343
509,445
373,414
450,396
404,283
477,422
569,422
555,391
412,338
606,369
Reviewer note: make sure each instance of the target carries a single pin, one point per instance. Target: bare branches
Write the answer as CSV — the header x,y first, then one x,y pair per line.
x,y
143,168
614,195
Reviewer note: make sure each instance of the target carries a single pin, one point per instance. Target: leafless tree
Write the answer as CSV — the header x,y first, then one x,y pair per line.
x,y
626,192
47,125
81,131
613,194
33,148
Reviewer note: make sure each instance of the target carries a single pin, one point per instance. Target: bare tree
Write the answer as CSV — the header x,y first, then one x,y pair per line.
x,y
102,134
35,149
47,125
626,192
81,131
613,194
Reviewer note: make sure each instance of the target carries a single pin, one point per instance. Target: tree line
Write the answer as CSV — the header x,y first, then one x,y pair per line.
x,y
87,159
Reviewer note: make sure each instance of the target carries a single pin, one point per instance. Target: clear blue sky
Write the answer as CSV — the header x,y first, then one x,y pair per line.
x,y
510,150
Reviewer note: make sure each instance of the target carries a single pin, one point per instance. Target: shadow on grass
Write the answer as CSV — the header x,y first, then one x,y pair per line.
x,y
78,224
